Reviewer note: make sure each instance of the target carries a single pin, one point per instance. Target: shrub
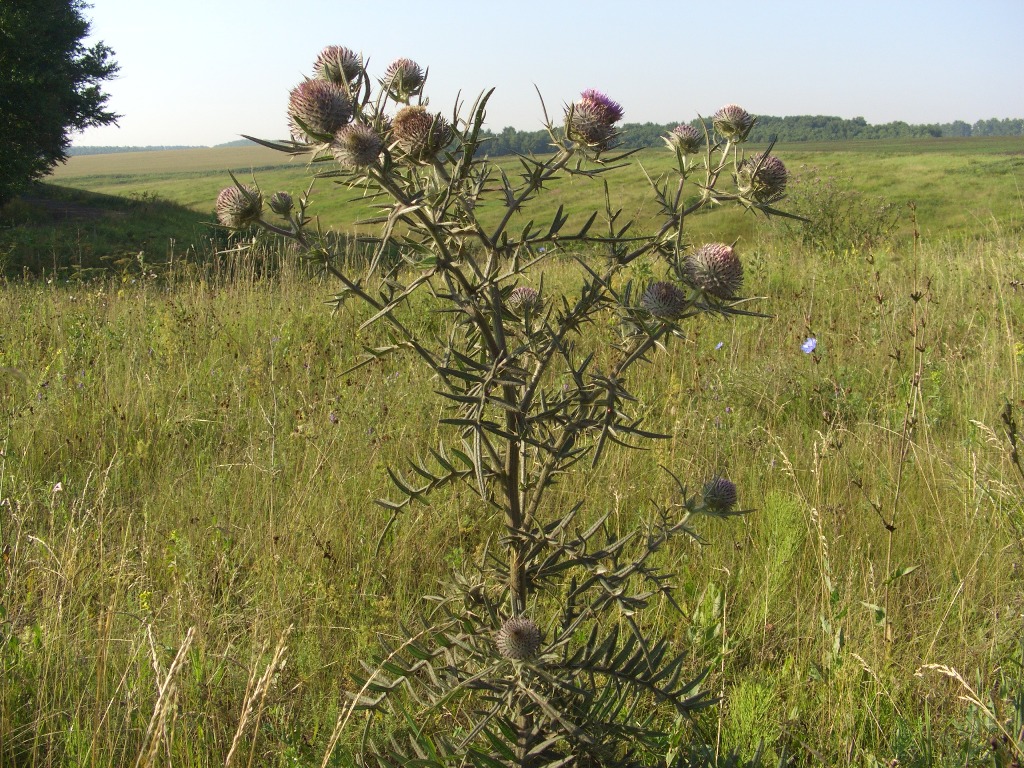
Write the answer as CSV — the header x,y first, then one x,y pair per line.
x,y
835,218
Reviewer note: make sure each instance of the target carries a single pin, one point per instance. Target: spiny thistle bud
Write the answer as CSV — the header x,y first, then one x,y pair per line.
x,y
591,120
281,203
420,134
519,638
685,138
664,300
320,106
239,207
762,178
338,64
402,79
524,297
357,146
733,122
719,494
715,269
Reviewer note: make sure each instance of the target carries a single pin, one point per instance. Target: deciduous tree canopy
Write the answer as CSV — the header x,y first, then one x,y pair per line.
x,y
50,86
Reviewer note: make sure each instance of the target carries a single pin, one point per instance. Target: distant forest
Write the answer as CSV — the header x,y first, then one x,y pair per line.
x,y
784,129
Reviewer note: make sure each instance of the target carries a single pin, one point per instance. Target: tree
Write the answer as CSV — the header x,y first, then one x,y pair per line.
x,y
50,86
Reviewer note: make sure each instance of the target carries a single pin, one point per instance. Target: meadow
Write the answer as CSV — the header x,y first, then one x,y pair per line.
x,y
193,562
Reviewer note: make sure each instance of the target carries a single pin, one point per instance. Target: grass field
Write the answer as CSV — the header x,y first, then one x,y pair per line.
x,y
190,570
961,186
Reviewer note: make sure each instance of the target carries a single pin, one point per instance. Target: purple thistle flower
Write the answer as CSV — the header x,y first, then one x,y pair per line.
x,y
403,78
357,146
338,64
524,297
321,106
685,138
420,134
591,120
762,178
519,638
720,494
609,111
281,203
715,269
733,122
664,300
238,207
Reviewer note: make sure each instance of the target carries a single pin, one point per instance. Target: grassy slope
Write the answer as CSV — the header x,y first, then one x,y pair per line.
x,y
959,185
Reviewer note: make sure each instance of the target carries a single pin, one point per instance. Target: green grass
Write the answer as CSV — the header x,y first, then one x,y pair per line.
x,y
961,187
191,453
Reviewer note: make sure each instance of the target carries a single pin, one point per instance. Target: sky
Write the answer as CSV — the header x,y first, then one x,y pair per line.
x,y
203,72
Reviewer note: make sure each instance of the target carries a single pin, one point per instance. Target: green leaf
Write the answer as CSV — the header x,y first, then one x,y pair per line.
x,y
899,573
878,611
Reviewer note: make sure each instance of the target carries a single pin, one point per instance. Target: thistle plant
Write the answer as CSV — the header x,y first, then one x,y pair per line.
x,y
533,654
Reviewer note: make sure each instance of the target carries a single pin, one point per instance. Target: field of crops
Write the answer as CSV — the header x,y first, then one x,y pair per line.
x,y
193,563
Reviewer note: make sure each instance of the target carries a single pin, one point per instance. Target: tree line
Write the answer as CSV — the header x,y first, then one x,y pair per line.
x,y
638,135
784,129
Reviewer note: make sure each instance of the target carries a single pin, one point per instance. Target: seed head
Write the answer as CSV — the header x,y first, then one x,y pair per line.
x,y
524,297
357,146
715,269
281,203
719,494
685,138
762,178
420,134
402,79
733,122
338,64
239,207
664,300
591,120
321,106
519,638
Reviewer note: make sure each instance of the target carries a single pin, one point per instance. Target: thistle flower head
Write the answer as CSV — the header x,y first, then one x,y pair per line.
x,y
591,120
519,638
732,122
357,146
318,107
719,494
762,178
524,297
402,79
664,300
685,138
238,207
715,269
420,134
281,203
609,111
338,64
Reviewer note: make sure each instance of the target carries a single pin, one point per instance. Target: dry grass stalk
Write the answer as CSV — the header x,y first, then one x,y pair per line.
x,y
256,695
164,701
